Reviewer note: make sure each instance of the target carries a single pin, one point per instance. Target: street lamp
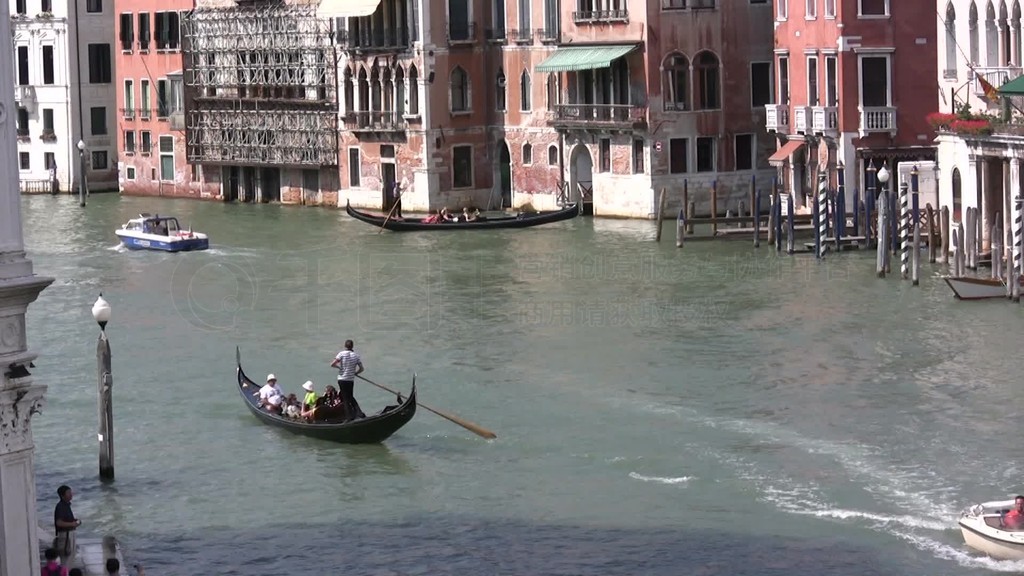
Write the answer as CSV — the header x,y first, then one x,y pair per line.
x,y
101,312
83,187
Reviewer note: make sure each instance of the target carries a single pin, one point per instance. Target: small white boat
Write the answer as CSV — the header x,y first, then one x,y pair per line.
x,y
162,233
983,530
965,288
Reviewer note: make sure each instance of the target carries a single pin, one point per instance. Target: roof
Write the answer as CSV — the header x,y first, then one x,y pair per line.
x,y
783,154
573,58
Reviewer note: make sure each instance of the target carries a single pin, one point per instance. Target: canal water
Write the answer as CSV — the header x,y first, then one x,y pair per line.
x,y
710,410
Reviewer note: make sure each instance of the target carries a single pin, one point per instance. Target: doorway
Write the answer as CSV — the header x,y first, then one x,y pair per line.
x,y
505,175
270,188
230,182
581,175
387,179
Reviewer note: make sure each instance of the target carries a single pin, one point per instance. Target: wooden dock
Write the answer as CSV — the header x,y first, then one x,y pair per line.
x,y
92,553
847,243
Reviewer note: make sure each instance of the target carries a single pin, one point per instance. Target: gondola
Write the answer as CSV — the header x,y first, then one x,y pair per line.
x,y
523,220
370,430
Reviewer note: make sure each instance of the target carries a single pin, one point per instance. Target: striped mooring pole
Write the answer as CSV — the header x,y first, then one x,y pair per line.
x,y
1018,237
904,231
822,246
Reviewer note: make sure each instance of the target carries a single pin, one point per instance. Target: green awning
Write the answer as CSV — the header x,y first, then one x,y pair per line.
x,y
572,58
1013,87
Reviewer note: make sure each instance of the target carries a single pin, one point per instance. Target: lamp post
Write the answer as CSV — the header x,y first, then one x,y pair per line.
x,y
83,186
101,312
884,217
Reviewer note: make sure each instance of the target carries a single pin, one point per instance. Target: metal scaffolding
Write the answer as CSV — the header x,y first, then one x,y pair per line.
x,y
260,86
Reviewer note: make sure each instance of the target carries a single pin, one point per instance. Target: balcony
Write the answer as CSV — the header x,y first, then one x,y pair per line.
x,y
376,121
598,116
128,113
589,16
548,35
373,40
25,95
802,119
877,119
825,119
521,36
996,76
777,117
462,33
496,35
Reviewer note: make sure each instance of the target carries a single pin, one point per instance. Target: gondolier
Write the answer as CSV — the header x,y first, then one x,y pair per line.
x,y
349,365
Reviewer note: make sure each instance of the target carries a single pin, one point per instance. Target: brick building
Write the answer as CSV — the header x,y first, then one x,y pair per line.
x,y
150,100
855,75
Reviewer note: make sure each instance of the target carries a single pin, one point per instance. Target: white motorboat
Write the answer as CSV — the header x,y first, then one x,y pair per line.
x,y
163,233
965,288
983,530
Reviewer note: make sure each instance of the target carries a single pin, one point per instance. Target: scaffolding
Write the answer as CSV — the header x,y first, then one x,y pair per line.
x,y
260,86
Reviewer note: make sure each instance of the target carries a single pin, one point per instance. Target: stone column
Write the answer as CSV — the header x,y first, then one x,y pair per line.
x,y
19,398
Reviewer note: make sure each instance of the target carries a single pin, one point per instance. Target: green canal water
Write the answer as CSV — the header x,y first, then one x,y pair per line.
x,y
714,409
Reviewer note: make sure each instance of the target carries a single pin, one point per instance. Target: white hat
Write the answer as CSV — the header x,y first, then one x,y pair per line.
x,y
308,386
271,377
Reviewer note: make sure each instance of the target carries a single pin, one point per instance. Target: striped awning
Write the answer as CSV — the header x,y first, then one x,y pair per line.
x,y
573,58
343,8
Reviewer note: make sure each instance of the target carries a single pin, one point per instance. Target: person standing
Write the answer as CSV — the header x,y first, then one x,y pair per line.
x,y
65,524
349,365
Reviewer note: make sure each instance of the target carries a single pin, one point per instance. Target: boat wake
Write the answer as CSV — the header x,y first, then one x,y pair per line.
x,y
904,489
660,479
118,248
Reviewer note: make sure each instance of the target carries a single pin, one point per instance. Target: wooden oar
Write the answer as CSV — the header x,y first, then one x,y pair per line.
x,y
393,206
478,430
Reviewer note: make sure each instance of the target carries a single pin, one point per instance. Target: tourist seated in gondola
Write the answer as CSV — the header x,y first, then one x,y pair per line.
x,y
446,216
308,401
433,218
466,216
271,396
292,409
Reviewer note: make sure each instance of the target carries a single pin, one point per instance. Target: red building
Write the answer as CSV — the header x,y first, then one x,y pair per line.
x,y
858,76
150,104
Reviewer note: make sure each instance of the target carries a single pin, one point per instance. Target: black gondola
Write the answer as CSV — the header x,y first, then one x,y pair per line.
x,y
370,430
523,220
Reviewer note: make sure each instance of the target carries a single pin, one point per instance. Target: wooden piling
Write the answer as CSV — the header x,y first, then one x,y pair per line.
x,y
680,227
882,246
915,256
686,206
755,209
1009,265
960,255
657,218
740,209
995,251
979,229
932,248
790,236
771,218
944,232
778,222
691,208
714,207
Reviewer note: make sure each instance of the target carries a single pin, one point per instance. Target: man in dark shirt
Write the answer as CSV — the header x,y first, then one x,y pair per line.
x,y
65,524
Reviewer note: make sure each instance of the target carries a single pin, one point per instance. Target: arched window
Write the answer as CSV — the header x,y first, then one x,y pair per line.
x,y
527,153
1015,55
525,96
414,91
552,90
707,88
350,92
552,155
951,56
364,91
459,90
500,93
972,24
676,86
991,37
957,194
400,92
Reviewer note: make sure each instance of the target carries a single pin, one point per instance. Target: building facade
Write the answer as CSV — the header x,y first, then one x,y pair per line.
x,y
852,82
63,76
150,101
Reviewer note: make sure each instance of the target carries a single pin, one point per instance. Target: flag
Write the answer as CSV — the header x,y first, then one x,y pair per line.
x,y
991,94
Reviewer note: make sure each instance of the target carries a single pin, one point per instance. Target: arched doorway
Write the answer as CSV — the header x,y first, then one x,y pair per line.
x,y
581,176
504,178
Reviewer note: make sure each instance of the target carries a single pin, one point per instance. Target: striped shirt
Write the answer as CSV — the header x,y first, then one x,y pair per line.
x,y
347,361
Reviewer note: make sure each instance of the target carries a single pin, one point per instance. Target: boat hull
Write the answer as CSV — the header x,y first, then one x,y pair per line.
x,y
976,288
416,224
162,244
998,544
373,429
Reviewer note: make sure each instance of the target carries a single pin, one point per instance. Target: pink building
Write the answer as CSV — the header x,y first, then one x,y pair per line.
x,y
855,77
150,103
